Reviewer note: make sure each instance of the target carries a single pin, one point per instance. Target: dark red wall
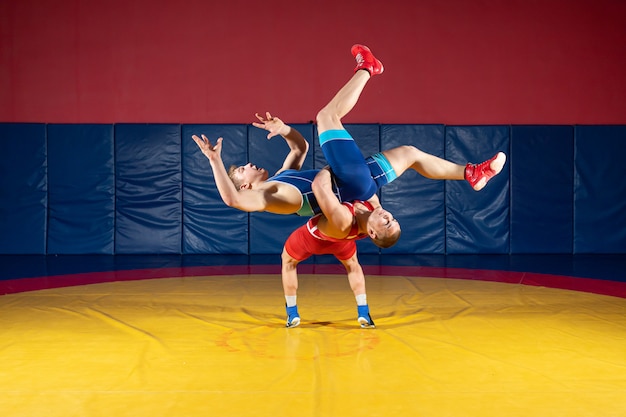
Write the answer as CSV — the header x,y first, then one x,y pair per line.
x,y
452,61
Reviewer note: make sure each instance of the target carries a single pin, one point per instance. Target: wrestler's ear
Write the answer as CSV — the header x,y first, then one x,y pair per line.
x,y
371,232
245,186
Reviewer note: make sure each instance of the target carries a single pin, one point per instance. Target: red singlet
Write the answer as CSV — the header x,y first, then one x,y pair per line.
x,y
307,240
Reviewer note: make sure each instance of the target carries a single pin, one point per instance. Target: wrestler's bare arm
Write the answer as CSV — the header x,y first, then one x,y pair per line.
x,y
338,219
245,200
298,146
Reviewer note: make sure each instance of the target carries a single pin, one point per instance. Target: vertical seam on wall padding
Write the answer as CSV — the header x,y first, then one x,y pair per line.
x,y
182,195
445,197
47,219
574,179
510,186
573,187
114,189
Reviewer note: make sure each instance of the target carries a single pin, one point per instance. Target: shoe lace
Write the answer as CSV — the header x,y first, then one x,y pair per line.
x,y
483,168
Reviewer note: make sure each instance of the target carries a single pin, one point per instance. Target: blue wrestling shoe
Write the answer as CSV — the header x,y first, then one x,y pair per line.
x,y
365,320
293,318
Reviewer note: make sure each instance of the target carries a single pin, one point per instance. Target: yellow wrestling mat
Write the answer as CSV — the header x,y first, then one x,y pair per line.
x,y
217,346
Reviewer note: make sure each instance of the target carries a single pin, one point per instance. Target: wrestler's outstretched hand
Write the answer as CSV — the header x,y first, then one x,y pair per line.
x,y
273,125
212,152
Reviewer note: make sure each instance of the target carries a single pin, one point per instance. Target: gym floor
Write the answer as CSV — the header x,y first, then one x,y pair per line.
x,y
185,336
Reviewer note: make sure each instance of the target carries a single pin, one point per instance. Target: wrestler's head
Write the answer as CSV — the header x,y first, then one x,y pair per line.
x,y
382,228
245,176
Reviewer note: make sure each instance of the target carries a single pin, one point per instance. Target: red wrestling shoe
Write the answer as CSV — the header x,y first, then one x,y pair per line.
x,y
479,174
366,60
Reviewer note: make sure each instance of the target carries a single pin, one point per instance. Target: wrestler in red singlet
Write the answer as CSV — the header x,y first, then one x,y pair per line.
x,y
308,240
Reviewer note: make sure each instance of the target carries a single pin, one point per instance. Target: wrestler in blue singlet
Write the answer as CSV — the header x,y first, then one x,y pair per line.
x,y
357,178
302,180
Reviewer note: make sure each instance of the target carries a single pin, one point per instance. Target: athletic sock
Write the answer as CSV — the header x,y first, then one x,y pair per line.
x,y
291,300
361,300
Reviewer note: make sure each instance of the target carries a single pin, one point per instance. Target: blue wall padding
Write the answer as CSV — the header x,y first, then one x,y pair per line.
x,y
477,222
81,189
561,191
416,201
148,185
600,189
23,188
268,232
542,189
209,225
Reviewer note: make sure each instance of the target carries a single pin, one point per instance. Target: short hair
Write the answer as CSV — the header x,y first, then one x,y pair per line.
x,y
387,241
231,174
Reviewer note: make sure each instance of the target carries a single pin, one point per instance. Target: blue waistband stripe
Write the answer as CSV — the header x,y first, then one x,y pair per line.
x,y
338,134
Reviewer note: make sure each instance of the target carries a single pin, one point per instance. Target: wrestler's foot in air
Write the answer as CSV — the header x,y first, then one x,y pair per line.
x,y
479,174
366,60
